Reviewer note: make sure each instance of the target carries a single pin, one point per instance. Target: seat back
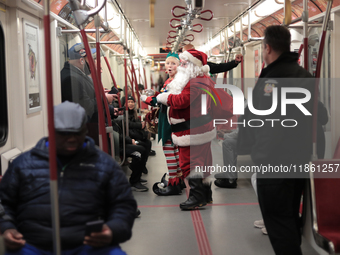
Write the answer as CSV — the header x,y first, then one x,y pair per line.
x,y
325,189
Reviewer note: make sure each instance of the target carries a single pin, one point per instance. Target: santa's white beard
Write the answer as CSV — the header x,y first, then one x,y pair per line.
x,y
182,78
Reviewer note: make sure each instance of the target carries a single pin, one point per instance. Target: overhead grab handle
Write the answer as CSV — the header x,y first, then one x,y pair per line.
x,y
212,15
174,26
179,7
288,12
197,31
190,40
81,16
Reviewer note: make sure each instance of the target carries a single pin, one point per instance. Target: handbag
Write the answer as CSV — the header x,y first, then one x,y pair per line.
x,y
151,120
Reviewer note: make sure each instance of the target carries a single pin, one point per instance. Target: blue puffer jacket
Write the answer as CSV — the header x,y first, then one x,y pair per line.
x,y
91,187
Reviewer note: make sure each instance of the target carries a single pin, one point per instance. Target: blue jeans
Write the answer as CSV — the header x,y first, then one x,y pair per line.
x,y
81,250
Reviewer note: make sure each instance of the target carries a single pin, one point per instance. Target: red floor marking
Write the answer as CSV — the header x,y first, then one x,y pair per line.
x,y
201,234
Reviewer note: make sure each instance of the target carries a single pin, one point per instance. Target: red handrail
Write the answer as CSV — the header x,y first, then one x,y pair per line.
x,y
242,75
51,131
145,78
99,92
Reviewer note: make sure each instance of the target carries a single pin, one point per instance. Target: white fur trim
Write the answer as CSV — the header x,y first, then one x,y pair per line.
x,y
205,69
198,139
163,98
176,121
191,58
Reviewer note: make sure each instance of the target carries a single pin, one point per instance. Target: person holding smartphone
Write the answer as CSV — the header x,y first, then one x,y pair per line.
x,y
91,186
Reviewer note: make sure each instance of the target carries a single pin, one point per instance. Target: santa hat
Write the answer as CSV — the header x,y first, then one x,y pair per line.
x,y
198,58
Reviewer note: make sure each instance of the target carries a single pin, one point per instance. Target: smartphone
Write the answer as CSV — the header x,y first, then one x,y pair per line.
x,y
113,91
121,109
93,226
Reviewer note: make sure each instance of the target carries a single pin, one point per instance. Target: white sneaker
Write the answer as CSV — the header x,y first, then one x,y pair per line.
x,y
264,231
259,224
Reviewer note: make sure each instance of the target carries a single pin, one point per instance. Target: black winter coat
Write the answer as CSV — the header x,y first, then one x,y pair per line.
x,y
77,87
279,145
91,186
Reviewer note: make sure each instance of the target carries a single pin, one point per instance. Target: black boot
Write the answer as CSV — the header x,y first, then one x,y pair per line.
x,y
208,192
164,181
197,197
167,191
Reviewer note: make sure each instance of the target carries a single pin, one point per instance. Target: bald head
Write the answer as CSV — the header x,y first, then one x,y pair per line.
x,y
188,47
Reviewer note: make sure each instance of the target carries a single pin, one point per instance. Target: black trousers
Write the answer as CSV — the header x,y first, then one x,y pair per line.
x,y
139,157
279,201
147,146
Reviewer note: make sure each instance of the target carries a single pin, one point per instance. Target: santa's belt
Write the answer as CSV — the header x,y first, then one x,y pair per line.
x,y
192,123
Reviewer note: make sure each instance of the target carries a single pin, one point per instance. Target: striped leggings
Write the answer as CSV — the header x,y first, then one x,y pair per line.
x,y
172,161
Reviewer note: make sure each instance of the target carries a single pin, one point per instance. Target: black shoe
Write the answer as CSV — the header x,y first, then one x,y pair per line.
x,y
197,196
145,170
139,187
138,213
167,191
208,193
143,181
225,183
152,153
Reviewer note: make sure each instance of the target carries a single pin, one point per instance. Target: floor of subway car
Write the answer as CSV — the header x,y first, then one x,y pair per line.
x,y
225,227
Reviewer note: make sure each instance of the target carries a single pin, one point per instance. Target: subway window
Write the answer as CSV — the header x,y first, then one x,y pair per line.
x,y
3,91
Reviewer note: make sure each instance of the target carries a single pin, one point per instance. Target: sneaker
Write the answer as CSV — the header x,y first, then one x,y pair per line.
x,y
139,187
143,181
152,153
225,183
138,213
264,231
259,224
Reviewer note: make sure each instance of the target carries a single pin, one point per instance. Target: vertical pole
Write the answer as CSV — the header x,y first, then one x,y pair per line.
x,y
305,33
51,131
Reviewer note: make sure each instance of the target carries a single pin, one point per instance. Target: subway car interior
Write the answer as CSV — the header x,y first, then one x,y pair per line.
x,y
132,39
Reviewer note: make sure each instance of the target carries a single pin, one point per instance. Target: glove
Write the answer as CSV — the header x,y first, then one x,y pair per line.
x,y
143,98
163,98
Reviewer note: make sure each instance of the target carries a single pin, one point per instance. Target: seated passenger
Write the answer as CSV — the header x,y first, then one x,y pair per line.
x,y
137,129
139,157
91,186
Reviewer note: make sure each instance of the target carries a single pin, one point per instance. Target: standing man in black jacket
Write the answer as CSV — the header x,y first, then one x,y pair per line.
x,y
91,186
77,86
276,145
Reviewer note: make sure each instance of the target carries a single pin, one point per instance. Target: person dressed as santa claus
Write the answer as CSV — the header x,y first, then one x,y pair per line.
x,y
191,130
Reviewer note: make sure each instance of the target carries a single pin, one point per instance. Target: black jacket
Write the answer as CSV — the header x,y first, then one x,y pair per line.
x,y
135,128
91,186
279,145
77,87
222,67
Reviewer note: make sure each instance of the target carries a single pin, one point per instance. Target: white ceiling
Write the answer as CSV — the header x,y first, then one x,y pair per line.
x,y
137,11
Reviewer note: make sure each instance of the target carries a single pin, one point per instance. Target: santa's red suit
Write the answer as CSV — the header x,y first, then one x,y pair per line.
x,y
191,130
